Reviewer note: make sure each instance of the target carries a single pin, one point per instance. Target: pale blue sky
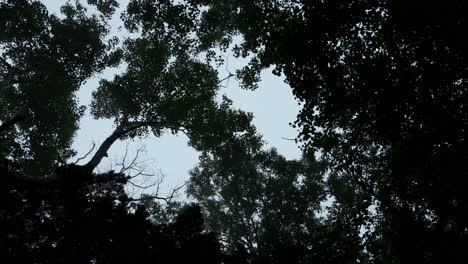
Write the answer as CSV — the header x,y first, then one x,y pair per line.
x,y
272,105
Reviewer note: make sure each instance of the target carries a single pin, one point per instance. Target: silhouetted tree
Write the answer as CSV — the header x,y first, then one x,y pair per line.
x,y
87,218
71,214
44,60
266,208
384,93
165,86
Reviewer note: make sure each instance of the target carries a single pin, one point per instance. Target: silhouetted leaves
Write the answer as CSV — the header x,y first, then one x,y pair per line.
x,y
88,218
44,61
383,126
384,100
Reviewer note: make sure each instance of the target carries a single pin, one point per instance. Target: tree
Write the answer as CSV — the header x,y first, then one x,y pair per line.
x,y
88,218
383,85
165,85
44,60
266,209
70,214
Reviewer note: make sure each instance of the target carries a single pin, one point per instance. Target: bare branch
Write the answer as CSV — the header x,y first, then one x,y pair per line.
x,y
141,186
155,196
137,172
133,163
123,128
176,190
130,126
124,168
226,78
105,146
146,178
150,197
86,155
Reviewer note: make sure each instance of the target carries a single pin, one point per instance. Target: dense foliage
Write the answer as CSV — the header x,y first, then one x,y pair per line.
x,y
383,127
79,217
268,207
44,60
385,101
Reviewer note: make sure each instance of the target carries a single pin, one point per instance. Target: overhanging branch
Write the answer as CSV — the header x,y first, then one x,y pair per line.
x,y
124,128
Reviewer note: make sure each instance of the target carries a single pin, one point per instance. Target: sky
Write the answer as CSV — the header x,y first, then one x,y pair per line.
x,y
272,105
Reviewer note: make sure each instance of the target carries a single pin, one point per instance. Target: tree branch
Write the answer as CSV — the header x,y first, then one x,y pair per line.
x,y
167,199
105,146
19,116
86,155
124,128
226,78
150,197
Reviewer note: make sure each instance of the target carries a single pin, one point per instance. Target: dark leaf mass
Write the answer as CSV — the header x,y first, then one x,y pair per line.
x,y
383,126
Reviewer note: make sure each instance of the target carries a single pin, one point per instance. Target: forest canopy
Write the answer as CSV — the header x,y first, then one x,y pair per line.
x,y
383,92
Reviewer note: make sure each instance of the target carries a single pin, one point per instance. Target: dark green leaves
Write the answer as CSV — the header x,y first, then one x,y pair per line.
x,y
44,61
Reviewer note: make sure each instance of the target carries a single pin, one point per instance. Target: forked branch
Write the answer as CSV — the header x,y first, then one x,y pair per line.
x,y
121,130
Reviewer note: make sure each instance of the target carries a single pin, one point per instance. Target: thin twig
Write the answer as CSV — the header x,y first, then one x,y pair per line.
x,y
150,197
141,186
226,78
86,155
